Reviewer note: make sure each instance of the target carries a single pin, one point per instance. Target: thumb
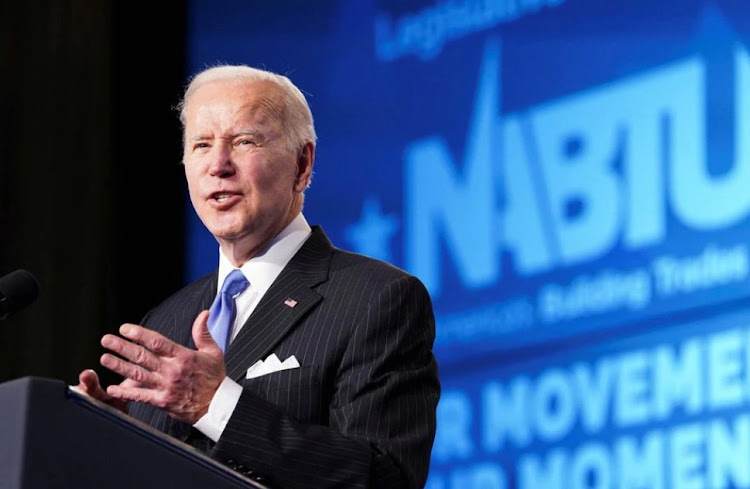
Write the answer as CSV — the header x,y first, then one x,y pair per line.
x,y
202,338
88,381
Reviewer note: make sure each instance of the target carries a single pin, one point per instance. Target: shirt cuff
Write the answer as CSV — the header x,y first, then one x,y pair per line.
x,y
222,406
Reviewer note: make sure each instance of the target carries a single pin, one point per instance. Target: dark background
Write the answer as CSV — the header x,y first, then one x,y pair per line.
x,y
91,185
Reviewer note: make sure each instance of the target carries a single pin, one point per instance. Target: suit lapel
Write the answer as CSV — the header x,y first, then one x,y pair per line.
x,y
288,299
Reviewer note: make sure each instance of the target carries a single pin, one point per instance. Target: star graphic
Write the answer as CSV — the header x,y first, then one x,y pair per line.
x,y
372,234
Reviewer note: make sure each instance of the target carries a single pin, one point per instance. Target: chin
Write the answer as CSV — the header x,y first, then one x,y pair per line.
x,y
221,230
227,235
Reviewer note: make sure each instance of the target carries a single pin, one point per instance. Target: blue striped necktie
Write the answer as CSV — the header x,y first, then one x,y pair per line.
x,y
223,310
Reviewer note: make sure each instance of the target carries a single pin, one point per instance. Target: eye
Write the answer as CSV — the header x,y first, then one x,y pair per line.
x,y
200,146
245,144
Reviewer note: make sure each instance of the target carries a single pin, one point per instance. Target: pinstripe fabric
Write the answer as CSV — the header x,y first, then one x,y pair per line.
x,y
360,411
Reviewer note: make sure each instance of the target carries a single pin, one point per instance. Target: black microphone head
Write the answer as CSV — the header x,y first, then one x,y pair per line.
x,y
17,290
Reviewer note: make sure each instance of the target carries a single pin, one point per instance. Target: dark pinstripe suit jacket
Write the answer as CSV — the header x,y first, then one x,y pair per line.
x,y
360,411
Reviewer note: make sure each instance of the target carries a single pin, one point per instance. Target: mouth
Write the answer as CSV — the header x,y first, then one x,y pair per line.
x,y
222,199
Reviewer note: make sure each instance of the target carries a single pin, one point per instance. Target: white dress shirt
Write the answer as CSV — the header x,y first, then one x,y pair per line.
x,y
260,271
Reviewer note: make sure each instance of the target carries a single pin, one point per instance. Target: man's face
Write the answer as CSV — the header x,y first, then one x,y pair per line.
x,y
245,183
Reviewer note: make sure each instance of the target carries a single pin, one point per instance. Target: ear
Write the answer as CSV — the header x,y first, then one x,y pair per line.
x,y
305,161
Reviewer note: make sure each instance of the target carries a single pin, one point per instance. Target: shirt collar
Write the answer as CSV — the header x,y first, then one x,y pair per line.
x,y
262,269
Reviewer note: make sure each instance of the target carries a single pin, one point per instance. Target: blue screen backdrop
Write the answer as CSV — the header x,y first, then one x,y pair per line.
x,y
571,181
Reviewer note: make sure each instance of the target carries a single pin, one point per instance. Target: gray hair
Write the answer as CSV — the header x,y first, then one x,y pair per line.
x,y
297,118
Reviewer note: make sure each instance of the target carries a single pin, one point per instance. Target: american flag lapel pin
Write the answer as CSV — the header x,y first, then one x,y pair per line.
x,y
290,302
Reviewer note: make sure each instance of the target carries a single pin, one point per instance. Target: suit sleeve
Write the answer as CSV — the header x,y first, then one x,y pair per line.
x,y
381,419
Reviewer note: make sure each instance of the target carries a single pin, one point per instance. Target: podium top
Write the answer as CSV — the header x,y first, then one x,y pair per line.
x,y
48,428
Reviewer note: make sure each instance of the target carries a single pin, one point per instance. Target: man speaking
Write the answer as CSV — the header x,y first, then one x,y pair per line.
x,y
295,360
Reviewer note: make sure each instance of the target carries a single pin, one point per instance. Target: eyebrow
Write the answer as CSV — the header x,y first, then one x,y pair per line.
x,y
248,132
200,137
243,132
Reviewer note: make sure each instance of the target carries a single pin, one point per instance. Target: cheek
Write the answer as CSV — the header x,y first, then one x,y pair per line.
x,y
262,179
277,177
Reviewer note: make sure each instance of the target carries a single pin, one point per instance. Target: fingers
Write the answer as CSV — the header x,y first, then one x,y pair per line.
x,y
89,384
132,393
129,383
152,340
133,352
157,371
140,361
138,374
201,336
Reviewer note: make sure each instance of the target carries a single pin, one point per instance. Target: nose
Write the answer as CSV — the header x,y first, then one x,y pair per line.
x,y
221,165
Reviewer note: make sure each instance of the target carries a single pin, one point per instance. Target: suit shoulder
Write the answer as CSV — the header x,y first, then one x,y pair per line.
x,y
189,293
357,267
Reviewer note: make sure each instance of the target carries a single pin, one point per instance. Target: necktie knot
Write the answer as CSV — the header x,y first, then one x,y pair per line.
x,y
235,283
223,310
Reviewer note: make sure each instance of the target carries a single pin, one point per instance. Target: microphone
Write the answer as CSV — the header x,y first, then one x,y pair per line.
x,y
17,290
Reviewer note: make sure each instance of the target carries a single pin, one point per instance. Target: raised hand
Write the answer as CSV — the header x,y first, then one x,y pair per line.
x,y
164,374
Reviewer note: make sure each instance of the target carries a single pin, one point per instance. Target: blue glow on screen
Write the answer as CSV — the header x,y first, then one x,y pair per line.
x,y
571,180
